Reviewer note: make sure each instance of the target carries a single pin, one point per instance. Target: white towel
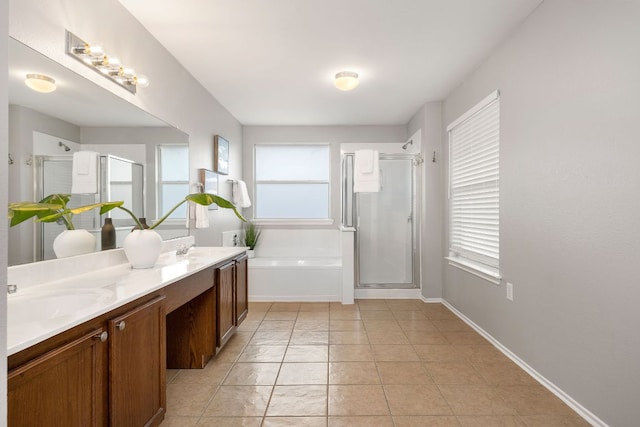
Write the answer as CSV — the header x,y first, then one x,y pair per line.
x,y
240,194
366,172
199,214
84,175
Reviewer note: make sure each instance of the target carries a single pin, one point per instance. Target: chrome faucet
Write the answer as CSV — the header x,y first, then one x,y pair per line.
x,y
183,249
12,289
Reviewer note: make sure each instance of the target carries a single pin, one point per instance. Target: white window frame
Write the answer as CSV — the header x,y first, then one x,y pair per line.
x,y
160,182
293,221
473,250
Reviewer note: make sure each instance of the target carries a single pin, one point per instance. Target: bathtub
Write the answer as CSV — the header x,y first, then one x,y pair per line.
x,y
295,279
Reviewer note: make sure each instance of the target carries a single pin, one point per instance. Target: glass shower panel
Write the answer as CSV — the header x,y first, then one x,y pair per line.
x,y
385,228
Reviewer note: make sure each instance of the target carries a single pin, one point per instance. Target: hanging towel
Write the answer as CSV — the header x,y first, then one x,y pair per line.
x,y
366,172
199,214
240,194
84,172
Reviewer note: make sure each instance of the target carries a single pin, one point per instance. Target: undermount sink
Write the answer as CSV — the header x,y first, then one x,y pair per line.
x,y
54,303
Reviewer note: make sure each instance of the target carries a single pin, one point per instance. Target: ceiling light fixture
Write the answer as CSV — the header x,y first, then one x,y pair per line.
x,y
40,83
346,80
95,57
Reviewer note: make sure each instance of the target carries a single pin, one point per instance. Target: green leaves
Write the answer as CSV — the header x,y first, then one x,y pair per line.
x,y
206,199
22,211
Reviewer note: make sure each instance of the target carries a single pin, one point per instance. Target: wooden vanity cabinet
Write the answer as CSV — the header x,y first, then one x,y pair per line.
x,y
242,290
225,313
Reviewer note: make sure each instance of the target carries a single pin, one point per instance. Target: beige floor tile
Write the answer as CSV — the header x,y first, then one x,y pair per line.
x,y
348,337
437,311
491,421
276,325
303,373
346,325
239,401
422,338
451,325
387,325
426,421
212,374
254,316
338,306
270,338
295,422
357,400
313,315
372,304
311,325
229,354
533,400
307,353
263,353
423,325
403,304
344,315
454,373
253,374
361,421
350,353
420,399
229,422
394,353
465,338
443,353
249,326
285,306
403,373
259,306
353,373
314,306
476,400
188,399
377,315
387,337
409,315
301,400
301,337
179,421
486,353
281,315
171,374
503,373
240,337
553,421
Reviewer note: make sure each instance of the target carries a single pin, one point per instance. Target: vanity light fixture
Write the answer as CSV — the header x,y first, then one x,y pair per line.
x,y
95,57
346,80
40,83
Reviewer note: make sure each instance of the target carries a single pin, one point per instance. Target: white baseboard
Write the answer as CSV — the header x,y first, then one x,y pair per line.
x,y
388,294
581,410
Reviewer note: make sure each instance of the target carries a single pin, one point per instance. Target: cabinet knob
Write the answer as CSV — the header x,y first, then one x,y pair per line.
x,y
120,325
103,336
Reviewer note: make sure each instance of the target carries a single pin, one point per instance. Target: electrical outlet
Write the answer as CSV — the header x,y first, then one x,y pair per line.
x,y
510,291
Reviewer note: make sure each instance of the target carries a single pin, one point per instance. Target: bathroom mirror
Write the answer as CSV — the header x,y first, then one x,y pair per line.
x,y
78,115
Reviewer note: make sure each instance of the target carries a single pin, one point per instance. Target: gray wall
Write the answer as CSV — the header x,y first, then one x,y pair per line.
x,y
428,120
4,142
174,95
569,79
335,135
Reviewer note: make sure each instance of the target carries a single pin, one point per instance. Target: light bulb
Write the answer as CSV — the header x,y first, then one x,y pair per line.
x,y
141,81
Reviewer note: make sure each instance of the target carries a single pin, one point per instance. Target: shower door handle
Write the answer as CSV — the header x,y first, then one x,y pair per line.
x,y
410,218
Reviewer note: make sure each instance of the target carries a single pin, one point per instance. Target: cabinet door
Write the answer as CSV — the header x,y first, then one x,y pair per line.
x,y
65,387
137,357
225,278
242,291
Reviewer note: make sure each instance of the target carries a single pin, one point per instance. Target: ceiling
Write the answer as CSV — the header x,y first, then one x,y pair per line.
x,y
272,62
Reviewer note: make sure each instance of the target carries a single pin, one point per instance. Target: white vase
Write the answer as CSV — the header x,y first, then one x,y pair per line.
x,y
74,242
251,253
142,248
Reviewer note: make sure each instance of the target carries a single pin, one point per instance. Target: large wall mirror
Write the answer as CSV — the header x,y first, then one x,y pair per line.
x,y
45,129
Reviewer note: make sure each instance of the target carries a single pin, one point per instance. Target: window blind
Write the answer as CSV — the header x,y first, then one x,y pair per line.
x,y
474,199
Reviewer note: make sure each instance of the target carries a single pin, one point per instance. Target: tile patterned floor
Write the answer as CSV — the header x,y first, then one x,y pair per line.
x,y
376,363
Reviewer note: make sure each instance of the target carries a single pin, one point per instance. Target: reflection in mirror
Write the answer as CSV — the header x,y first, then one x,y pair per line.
x,y
46,129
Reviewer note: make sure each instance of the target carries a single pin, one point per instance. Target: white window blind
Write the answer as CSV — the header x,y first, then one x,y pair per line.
x,y
474,197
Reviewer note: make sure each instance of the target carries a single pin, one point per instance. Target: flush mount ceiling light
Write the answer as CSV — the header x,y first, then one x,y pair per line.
x,y
346,80
40,83
95,57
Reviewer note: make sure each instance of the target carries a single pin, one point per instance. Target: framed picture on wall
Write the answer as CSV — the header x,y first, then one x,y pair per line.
x,y
209,184
220,155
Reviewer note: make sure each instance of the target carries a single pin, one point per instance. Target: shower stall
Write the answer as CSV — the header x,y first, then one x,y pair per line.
x,y
386,223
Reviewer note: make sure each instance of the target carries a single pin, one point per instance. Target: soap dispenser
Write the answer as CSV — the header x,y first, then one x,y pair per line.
x,y
108,234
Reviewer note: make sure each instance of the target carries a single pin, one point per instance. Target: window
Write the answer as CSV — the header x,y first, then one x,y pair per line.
x,y
474,172
173,179
292,181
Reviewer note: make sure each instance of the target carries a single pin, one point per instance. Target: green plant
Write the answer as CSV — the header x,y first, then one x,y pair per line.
x,y
200,198
54,208
251,235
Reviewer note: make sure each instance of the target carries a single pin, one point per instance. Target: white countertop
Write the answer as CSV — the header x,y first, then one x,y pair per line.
x,y
40,312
